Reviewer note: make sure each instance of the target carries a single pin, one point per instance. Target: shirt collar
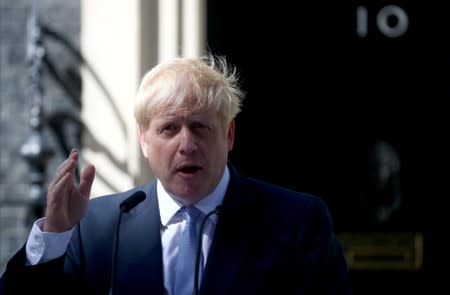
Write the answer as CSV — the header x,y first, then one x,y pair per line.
x,y
169,206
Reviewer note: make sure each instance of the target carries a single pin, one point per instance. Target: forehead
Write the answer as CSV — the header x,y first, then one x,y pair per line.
x,y
184,113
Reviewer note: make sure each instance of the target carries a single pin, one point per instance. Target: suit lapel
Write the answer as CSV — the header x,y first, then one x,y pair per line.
x,y
140,267
230,243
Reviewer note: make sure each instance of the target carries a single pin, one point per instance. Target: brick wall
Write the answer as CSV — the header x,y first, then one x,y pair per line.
x,y
15,103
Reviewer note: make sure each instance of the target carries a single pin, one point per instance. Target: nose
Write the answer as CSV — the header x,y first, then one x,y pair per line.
x,y
187,143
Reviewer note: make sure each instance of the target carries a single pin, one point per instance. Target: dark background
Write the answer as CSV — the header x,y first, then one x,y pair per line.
x,y
319,96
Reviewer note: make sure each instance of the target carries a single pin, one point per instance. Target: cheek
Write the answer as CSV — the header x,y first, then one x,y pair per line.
x,y
223,146
160,151
148,146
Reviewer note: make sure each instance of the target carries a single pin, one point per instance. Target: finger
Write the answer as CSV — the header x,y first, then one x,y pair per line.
x,y
57,196
73,156
87,178
67,167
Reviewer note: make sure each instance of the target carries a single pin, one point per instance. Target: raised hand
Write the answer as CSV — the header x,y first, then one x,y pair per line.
x,y
66,202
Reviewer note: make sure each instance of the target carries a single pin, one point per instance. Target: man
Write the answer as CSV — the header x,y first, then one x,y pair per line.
x,y
255,237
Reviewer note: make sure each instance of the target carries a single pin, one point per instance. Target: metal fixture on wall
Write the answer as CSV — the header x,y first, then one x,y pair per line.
x,y
36,150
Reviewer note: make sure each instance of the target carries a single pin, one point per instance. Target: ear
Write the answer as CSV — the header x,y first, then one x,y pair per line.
x,y
143,142
230,135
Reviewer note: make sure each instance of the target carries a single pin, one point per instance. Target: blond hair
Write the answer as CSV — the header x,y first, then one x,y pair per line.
x,y
191,85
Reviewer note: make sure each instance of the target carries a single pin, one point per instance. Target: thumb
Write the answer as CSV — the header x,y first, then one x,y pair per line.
x,y
87,178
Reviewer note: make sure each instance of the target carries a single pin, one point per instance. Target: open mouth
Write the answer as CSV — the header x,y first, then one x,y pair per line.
x,y
189,169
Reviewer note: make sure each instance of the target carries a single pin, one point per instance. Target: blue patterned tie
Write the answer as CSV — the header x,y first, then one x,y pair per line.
x,y
185,266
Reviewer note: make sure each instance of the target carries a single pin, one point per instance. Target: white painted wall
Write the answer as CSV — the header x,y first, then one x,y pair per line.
x,y
122,40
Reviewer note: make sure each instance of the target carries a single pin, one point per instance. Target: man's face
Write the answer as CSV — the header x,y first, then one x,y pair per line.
x,y
187,152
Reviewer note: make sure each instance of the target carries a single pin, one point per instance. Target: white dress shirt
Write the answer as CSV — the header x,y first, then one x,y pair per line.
x,y
44,246
172,224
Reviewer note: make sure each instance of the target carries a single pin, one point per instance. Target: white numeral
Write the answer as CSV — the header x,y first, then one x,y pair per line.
x,y
389,30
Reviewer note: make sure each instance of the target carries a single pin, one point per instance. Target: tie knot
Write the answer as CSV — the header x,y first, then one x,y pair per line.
x,y
191,214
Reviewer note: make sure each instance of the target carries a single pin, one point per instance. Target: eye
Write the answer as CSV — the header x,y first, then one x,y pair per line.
x,y
199,128
198,125
168,128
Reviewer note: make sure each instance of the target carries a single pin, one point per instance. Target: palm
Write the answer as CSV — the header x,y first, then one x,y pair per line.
x,y
66,202
75,206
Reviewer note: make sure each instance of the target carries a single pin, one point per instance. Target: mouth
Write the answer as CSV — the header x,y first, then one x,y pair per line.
x,y
189,169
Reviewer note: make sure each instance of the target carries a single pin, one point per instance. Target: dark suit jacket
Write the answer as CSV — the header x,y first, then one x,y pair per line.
x,y
268,240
